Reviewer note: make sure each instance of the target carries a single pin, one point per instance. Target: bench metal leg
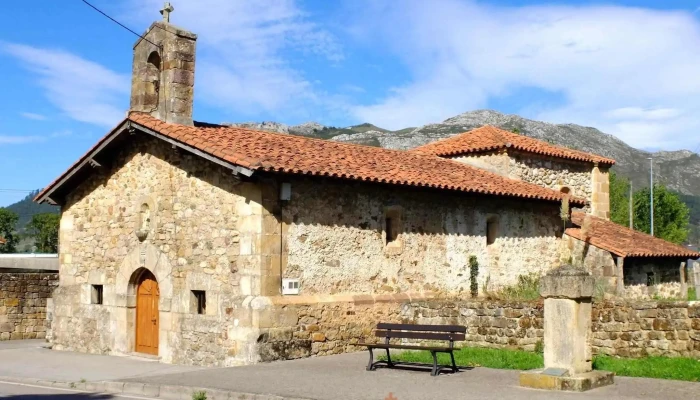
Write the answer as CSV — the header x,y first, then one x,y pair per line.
x,y
388,358
454,365
434,372
370,366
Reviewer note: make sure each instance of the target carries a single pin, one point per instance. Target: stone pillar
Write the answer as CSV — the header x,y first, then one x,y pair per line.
x,y
684,281
568,294
620,273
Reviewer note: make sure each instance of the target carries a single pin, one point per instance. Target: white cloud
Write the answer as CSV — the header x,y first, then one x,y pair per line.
x,y
629,71
34,116
13,139
82,89
244,50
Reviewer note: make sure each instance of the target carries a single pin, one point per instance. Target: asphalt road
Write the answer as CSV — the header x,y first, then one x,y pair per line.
x,y
15,391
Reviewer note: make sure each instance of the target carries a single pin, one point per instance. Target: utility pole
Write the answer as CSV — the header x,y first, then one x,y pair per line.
x,y
651,195
631,208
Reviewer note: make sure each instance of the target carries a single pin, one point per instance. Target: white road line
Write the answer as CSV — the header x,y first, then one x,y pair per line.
x,y
74,390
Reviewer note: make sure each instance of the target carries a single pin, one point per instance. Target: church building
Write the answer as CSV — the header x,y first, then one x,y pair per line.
x,y
204,244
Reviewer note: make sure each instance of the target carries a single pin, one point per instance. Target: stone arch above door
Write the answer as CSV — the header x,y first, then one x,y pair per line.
x,y
149,257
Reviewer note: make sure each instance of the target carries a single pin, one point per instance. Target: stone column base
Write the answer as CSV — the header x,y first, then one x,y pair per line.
x,y
578,383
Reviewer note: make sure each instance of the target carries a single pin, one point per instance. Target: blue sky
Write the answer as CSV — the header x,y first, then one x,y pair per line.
x,y
629,68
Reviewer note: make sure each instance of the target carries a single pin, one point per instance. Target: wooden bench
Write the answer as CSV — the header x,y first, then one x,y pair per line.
x,y
450,333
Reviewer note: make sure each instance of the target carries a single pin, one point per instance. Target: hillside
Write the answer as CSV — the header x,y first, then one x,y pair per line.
x,y
26,208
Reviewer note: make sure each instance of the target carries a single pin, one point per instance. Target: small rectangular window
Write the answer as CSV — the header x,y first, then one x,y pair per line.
x,y
390,230
96,296
491,230
199,298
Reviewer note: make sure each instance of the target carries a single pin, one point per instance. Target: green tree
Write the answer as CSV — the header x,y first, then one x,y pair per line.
x,y
671,215
44,229
619,199
8,221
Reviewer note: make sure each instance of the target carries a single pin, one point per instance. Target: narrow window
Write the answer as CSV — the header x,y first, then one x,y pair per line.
x,y
491,230
650,279
96,295
392,224
390,229
199,300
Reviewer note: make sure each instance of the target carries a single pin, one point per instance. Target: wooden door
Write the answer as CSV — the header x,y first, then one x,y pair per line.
x,y
147,314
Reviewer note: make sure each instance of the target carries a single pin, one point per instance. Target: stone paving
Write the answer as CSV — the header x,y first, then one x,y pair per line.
x,y
319,378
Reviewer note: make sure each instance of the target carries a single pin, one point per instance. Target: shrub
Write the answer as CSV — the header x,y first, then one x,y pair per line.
x,y
527,288
199,395
473,275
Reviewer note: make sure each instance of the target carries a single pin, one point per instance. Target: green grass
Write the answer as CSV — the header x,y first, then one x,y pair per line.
x,y
479,357
683,369
692,295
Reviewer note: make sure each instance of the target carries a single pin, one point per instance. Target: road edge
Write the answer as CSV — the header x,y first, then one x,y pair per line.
x,y
168,392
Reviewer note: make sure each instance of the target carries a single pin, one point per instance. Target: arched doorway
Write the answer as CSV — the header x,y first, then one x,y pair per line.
x,y
147,318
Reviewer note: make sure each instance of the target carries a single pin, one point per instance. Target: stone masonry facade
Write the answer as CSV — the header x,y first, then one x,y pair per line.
x,y
23,304
189,246
582,179
316,325
238,251
335,239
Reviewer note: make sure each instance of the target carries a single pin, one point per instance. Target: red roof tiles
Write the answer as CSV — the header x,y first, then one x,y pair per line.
x,y
489,138
625,242
273,152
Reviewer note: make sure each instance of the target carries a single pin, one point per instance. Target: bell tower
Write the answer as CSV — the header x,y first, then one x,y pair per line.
x,y
162,80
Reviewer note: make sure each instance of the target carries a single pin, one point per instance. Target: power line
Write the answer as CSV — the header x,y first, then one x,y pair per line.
x,y
119,23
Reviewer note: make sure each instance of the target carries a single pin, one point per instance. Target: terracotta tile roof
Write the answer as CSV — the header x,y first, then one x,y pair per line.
x,y
489,138
273,152
626,242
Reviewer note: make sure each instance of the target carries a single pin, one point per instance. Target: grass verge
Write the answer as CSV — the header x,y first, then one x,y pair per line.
x,y
683,369
478,357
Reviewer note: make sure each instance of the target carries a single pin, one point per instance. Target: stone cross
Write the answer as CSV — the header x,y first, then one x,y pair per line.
x,y
167,9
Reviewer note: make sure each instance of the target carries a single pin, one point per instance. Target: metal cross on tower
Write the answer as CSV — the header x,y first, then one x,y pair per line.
x,y
167,9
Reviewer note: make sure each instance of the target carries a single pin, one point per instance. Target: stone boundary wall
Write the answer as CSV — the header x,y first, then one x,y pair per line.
x,y
296,327
23,300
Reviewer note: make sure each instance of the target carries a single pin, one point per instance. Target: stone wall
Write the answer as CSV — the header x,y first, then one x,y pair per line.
x,y
540,170
553,174
581,178
23,298
496,162
336,239
637,329
320,325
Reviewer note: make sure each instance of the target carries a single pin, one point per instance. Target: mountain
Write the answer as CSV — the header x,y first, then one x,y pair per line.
x,y
679,170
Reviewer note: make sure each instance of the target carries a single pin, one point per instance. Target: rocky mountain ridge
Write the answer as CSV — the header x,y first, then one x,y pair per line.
x,y
679,170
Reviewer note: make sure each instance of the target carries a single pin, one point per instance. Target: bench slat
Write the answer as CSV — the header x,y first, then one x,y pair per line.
x,y
407,347
419,335
422,328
